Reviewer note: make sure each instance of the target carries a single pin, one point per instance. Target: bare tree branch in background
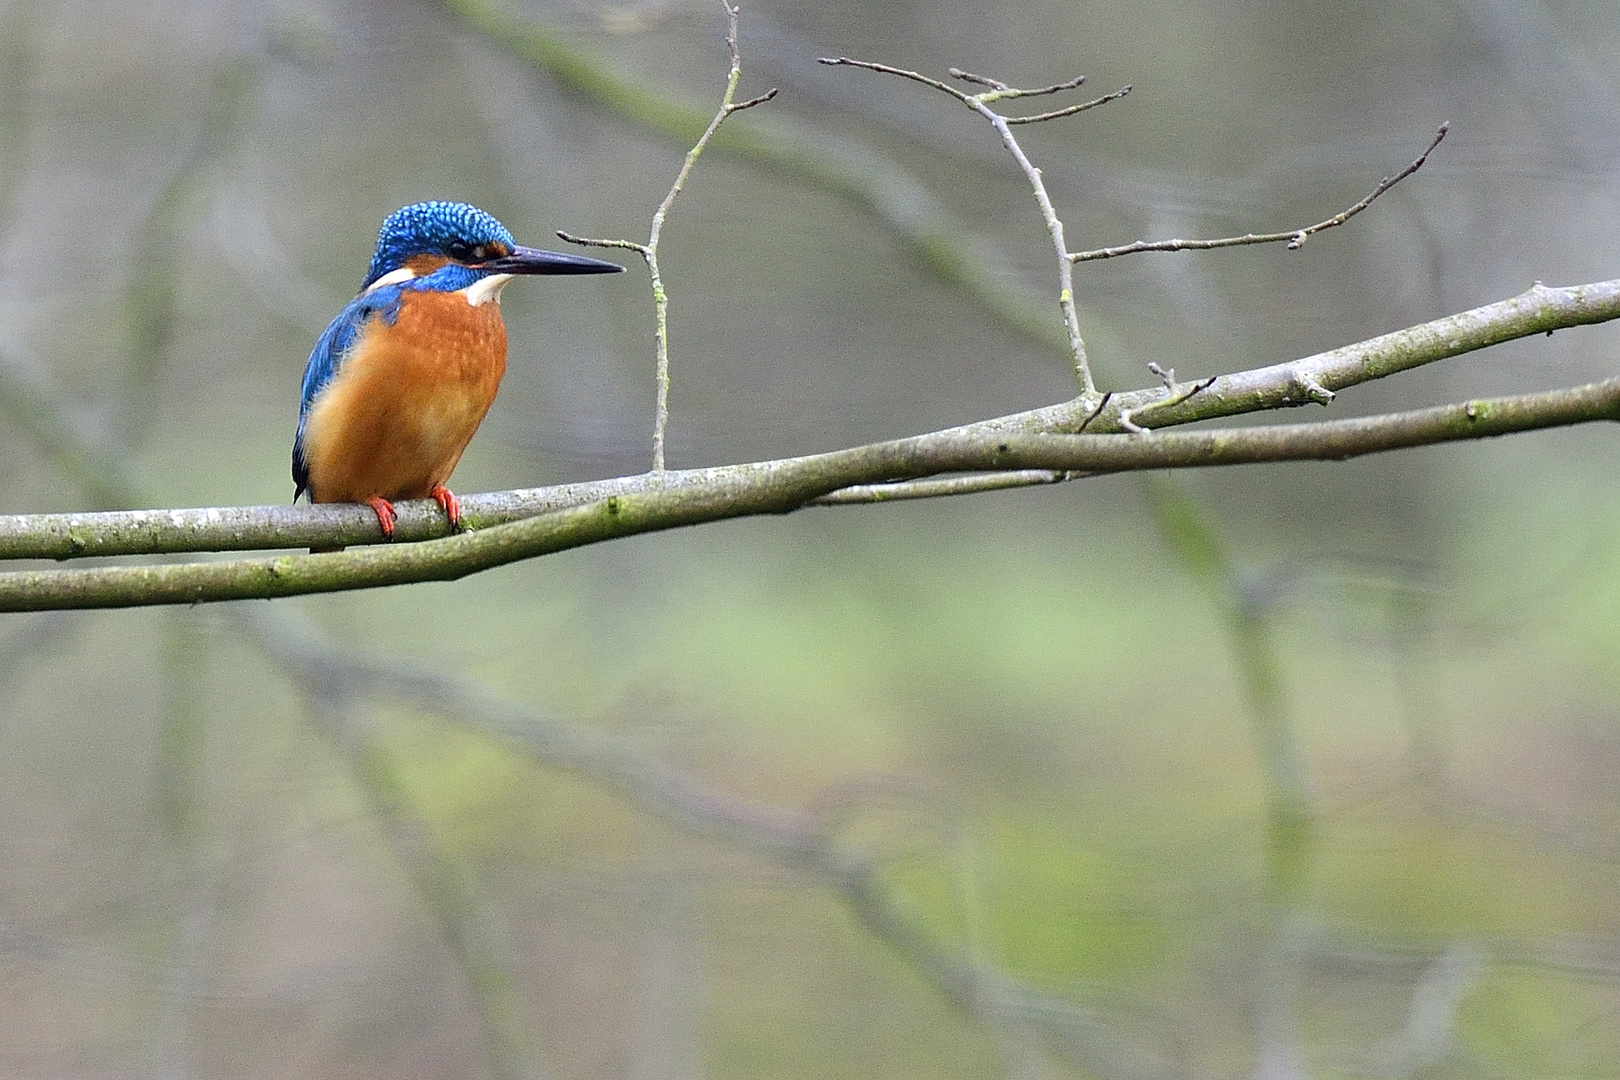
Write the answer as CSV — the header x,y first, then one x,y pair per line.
x,y
804,842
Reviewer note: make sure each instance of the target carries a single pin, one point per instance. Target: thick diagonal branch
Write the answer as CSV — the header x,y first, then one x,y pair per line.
x,y
780,486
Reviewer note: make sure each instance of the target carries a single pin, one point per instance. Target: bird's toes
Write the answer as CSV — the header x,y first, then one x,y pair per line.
x,y
450,504
386,515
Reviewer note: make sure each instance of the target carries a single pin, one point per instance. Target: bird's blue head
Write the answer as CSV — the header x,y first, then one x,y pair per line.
x,y
437,232
421,238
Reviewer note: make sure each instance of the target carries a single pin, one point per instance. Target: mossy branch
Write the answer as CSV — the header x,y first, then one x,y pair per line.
x,y
673,500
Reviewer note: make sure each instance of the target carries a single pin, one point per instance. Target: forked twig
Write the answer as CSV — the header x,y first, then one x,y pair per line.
x,y
1071,110
980,103
649,250
1002,92
1295,238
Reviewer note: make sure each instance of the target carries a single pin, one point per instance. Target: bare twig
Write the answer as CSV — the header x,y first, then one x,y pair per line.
x,y
1057,114
1002,90
1294,238
1166,376
940,487
649,250
1091,417
591,241
1177,396
980,103
994,84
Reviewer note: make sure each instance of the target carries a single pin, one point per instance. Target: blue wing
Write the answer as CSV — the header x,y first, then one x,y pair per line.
x,y
328,357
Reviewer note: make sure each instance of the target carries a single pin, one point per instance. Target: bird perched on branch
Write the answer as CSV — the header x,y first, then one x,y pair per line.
x,y
402,378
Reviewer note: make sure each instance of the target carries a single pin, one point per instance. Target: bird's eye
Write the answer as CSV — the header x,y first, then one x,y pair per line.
x,y
461,251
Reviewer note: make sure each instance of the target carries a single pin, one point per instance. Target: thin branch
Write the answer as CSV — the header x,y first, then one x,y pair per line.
x,y
1127,418
994,84
980,103
939,487
1295,238
1002,90
589,241
915,76
1315,379
1056,114
649,250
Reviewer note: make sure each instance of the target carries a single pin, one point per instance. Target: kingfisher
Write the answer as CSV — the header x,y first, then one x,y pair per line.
x,y
402,378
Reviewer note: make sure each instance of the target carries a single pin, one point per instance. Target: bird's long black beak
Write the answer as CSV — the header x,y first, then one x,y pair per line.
x,y
534,261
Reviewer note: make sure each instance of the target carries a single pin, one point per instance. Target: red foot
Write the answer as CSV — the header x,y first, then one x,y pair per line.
x,y
385,515
452,507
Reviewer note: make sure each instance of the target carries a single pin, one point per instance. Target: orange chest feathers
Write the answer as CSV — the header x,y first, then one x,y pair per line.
x,y
439,338
396,418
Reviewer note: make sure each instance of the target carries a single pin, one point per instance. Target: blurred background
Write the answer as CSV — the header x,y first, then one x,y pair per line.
x,y
1304,770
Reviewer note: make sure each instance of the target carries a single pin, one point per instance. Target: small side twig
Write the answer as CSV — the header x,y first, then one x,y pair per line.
x,y
1293,238
649,250
1102,404
1056,114
1166,375
1002,90
940,487
980,103
1178,393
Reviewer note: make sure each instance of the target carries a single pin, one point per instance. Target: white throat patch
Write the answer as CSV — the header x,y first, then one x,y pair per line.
x,y
487,290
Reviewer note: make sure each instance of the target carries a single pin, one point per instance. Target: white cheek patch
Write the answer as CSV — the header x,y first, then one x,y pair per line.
x,y
486,290
393,277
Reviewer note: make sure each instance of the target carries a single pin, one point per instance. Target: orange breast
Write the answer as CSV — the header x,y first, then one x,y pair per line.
x,y
396,418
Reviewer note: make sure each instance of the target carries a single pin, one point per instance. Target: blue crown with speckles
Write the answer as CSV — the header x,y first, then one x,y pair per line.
x,y
427,228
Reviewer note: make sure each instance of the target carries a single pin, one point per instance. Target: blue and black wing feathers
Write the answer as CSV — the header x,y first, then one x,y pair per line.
x,y
327,359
